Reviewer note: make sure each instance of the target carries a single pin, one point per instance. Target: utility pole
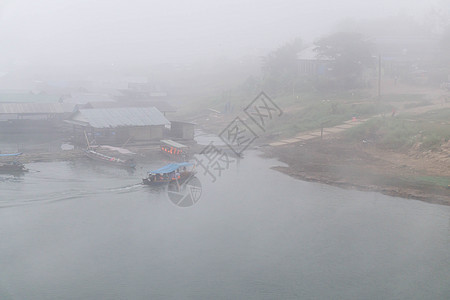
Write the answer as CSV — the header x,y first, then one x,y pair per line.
x,y
379,77
293,89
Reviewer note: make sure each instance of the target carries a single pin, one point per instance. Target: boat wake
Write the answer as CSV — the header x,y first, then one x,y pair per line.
x,y
71,194
11,178
126,189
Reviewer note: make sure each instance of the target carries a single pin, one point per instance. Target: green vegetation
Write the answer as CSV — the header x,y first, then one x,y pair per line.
x,y
402,97
327,113
404,132
349,54
434,180
442,115
417,104
390,133
279,68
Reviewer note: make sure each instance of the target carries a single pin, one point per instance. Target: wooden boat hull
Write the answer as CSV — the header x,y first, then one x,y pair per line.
x,y
112,161
12,168
147,181
183,177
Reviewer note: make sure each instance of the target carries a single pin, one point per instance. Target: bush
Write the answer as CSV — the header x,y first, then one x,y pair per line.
x,y
431,141
393,133
417,104
366,131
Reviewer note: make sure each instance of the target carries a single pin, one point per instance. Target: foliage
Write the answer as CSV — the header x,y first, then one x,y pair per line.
x,y
435,180
431,141
280,68
417,104
402,97
349,53
395,133
326,113
436,115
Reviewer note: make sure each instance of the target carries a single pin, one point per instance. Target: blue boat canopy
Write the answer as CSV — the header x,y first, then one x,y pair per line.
x,y
10,154
171,167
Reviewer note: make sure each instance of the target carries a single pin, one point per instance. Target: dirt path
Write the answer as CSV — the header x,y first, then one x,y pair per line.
x,y
309,135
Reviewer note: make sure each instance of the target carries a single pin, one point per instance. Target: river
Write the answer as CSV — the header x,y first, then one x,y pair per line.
x,y
78,230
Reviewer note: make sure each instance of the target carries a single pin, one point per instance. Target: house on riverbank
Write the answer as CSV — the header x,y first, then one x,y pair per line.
x,y
182,130
33,117
309,63
117,126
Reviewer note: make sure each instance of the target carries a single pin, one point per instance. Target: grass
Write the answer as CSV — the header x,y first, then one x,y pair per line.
x,y
402,97
239,100
305,111
442,115
400,133
310,111
326,113
435,180
417,104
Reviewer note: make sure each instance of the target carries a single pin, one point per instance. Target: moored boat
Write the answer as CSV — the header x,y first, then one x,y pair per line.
x,y
9,164
174,150
111,160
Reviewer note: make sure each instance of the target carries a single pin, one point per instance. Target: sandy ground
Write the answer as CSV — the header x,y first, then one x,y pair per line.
x,y
364,167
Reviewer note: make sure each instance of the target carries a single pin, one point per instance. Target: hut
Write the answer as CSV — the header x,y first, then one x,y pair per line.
x,y
33,117
116,126
182,130
162,106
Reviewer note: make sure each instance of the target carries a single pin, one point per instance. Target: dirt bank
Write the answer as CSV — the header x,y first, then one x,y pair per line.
x,y
364,167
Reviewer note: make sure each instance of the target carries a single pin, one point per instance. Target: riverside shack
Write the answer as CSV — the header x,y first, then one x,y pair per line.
x,y
182,130
117,126
33,117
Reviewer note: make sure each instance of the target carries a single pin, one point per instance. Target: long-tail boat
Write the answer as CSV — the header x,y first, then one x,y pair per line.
x,y
178,172
9,163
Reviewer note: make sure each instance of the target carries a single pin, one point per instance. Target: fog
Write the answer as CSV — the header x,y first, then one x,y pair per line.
x,y
234,149
136,32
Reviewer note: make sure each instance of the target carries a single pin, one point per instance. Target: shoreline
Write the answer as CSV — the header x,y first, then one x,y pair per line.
x,y
394,192
331,161
336,163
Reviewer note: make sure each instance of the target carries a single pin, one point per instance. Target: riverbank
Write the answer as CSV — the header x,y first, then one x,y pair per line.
x,y
406,156
362,166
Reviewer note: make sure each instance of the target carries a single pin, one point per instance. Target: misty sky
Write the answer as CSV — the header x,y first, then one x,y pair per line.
x,y
67,32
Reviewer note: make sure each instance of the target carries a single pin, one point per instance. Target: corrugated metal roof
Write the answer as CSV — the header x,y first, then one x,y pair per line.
x,y
162,106
118,117
174,144
35,108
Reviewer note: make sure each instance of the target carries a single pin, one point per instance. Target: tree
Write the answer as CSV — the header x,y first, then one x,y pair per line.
x,y
349,56
445,44
280,67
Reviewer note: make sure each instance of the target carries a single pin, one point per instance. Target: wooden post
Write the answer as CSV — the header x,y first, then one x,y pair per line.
x,y
87,140
321,128
379,77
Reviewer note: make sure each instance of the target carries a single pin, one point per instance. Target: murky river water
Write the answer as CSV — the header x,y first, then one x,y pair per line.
x,y
77,230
